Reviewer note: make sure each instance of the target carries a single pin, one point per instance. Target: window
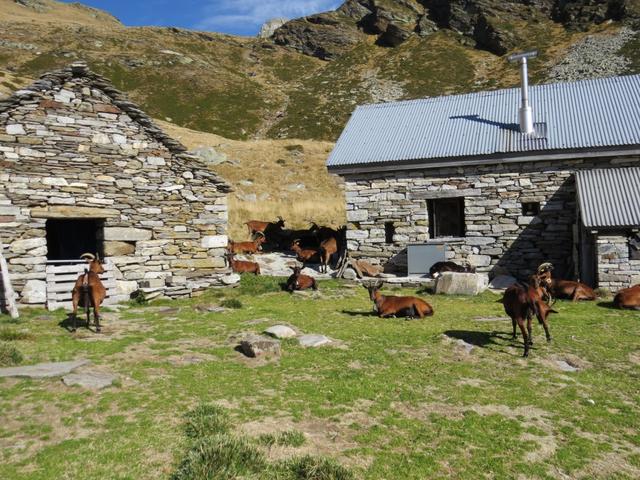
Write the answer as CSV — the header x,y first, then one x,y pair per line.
x,y
634,247
446,217
530,209
389,232
68,239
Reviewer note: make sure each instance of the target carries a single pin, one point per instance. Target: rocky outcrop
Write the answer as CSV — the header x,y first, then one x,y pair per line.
x,y
270,26
487,24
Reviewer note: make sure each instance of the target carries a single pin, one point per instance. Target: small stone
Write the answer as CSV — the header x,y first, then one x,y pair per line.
x,y
281,331
313,340
231,279
258,345
215,241
15,129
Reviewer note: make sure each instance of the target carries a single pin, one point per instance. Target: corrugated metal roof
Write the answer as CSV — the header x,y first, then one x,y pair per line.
x,y
586,114
609,197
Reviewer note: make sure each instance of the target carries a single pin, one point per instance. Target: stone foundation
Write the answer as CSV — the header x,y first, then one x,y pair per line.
x,y
615,268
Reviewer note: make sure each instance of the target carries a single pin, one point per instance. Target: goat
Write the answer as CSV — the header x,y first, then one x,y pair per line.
x,y
305,255
330,246
299,281
246,247
440,267
628,298
563,288
257,226
388,306
240,266
521,303
89,291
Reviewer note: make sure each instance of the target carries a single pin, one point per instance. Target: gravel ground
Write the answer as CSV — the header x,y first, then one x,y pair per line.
x,y
594,57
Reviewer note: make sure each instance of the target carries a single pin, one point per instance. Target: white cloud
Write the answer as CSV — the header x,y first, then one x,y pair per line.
x,y
250,14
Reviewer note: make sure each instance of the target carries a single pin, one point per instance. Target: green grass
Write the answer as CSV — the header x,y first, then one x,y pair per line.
x,y
393,399
9,355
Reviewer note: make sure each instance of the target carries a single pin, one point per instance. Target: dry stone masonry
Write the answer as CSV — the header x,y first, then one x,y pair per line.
x,y
73,147
499,236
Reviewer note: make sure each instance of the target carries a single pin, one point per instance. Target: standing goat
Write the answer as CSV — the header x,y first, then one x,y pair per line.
x,y
89,291
390,306
305,255
299,281
257,226
246,247
332,244
521,303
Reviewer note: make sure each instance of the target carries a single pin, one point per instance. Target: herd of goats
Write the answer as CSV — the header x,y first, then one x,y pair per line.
x,y
522,301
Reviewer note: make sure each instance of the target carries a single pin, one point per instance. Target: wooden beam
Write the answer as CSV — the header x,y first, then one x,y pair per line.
x,y
7,290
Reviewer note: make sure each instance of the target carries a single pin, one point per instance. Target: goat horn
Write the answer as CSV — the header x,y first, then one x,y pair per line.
x,y
88,256
545,266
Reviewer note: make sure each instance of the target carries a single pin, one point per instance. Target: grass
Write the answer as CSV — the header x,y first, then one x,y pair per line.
x,y
393,399
9,355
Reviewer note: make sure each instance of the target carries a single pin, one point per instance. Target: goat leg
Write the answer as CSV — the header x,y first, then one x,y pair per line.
x,y
523,329
529,331
513,323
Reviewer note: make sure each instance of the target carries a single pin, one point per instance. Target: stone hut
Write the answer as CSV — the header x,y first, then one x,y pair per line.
x,y
85,170
457,174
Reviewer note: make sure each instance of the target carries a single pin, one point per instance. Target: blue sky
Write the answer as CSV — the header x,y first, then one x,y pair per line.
x,y
240,17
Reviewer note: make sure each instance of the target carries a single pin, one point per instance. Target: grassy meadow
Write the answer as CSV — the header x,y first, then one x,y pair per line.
x,y
444,397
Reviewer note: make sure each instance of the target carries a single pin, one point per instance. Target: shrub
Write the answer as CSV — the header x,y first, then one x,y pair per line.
x,y
207,420
231,303
9,355
220,457
313,468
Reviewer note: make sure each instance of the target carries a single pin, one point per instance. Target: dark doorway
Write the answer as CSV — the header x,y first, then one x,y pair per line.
x,y
68,239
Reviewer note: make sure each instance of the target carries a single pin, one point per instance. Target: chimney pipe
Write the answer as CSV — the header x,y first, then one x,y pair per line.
x,y
525,114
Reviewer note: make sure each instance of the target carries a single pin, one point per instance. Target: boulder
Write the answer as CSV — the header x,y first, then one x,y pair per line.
x,y
209,155
313,340
34,292
451,283
502,282
259,345
281,331
270,26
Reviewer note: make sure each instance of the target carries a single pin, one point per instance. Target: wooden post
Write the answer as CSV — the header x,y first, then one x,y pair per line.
x,y
7,290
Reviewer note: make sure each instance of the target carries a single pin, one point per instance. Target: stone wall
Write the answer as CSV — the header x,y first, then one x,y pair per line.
x,y
615,268
498,236
71,146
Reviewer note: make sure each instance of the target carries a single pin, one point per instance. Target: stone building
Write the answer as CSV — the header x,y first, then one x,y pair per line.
x,y
459,171
84,170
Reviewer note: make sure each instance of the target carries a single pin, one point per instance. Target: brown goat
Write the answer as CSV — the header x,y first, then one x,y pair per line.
x,y
329,246
246,247
305,255
257,226
521,303
389,306
89,291
241,266
566,289
628,298
299,281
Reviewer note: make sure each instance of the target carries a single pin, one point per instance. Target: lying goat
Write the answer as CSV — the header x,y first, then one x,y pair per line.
x,y
240,266
246,247
299,281
628,298
305,255
521,303
89,291
440,267
389,306
566,289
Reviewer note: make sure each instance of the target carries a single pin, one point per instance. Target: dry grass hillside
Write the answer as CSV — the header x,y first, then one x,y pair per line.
x,y
273,177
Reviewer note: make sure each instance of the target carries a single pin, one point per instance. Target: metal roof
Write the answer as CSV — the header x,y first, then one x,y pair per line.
x,y
609,197
587,114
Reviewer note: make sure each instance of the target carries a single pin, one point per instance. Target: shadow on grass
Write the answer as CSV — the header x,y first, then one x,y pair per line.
x,y
81,322
478,338
607,305
356,313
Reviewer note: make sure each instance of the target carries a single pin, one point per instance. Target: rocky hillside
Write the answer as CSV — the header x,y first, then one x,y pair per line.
x,y
304,81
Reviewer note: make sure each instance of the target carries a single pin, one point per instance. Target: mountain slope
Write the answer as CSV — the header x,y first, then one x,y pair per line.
x,y
380,50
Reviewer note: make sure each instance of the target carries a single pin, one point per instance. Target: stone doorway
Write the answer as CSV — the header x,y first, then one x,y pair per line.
x,y
67,239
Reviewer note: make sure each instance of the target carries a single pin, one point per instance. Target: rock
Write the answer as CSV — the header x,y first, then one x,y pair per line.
x,y
21,246
92,380
215,241
43,370
313,340
296,187
128,234
116,248
258,345
350,274
502,282
15,129
34,292
232,279
126,288
451,283
270,26
281,331
565,366
209,155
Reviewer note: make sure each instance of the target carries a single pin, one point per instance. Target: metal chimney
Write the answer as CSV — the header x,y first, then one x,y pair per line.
x,y
525,114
